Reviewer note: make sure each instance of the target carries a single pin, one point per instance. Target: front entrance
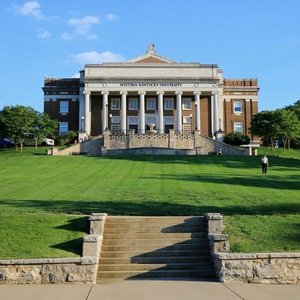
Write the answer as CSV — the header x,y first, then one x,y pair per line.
x,y
168,127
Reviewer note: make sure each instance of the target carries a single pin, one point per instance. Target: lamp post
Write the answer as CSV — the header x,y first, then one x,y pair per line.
x,y
82,121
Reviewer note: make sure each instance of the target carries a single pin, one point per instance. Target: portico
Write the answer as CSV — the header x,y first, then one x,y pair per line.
x,y
135,109
151,91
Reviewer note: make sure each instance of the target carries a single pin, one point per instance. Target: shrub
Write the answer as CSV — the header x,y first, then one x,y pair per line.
x,y
67,139
236,139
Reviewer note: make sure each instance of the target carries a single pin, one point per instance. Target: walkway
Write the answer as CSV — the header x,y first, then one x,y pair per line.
x,y
151,290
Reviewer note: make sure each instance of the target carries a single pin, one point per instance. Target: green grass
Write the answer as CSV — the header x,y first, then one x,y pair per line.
x,y
262,211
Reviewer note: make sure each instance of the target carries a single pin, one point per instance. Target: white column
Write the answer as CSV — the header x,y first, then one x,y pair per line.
x,y
216,110
87,113
104,111
123,111
197,110
142,112
179,113
160,112
81,110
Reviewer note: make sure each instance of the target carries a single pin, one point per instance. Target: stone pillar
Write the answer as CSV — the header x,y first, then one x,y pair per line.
x,y
179,113
197,110
123,111
142,112
160,112
87,113
104,111
97,221
171,138
91,245
218,241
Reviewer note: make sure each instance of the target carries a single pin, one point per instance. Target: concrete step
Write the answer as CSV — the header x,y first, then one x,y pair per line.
x,y
148,267
157,229
158,235
158,242
147,248
157,253
160,220
155,260
156,274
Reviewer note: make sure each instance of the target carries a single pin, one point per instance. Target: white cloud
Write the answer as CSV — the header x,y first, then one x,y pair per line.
x,y
82,26
66,36
93,57
111,17
43,34
76,75
92,37
29,8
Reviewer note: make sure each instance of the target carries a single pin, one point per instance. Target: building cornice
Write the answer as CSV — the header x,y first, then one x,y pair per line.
x,y
149,65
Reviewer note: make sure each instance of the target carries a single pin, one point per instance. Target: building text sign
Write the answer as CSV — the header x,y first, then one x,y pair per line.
x,y
151,84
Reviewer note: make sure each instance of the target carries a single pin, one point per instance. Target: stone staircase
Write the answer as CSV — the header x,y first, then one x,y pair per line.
x,y
155,248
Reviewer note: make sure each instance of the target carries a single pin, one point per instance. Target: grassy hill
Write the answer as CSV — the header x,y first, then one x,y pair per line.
x,y
44,200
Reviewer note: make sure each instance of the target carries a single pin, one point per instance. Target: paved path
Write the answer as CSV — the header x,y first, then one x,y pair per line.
x,y
154,290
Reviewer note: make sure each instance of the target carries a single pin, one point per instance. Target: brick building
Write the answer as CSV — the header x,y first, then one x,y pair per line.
x,y
154,92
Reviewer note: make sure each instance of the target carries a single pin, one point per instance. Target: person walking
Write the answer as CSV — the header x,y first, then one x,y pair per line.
x,y
264,164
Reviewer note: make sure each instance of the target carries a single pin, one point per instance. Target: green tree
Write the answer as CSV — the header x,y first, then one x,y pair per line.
x,y
263,125
295,108
42,126
287,126
236,139
16,122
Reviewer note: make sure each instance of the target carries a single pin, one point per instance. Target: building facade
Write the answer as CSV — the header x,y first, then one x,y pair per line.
x,y
153,93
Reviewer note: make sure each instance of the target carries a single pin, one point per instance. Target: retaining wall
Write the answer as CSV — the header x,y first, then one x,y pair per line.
x,y
258,267
60,270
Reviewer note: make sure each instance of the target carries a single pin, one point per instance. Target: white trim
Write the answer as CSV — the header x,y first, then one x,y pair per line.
x,y
64,107
166,99
63,124
186,99
58,97
136,101
236,125
154,101
112,99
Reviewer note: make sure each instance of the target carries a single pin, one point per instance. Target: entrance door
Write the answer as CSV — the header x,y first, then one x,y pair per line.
x,y
168,127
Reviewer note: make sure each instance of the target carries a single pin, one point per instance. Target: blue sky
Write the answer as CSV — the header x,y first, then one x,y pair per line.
x,y
257,38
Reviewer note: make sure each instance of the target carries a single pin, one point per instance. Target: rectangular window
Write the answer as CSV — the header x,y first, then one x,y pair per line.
x,y
186,129
115,103
237,107
186,103
115,128
186,120
63,127
132,120
151,103
169,103
168,120
115,119
238,127
151,119
133,104
64,107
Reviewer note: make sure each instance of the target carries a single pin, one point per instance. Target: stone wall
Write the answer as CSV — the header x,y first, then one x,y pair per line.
x,y
249,267
111,144
258,267
149,151
58,270
199,144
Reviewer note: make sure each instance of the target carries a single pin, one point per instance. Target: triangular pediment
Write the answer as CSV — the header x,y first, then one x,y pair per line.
x,y
151,57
